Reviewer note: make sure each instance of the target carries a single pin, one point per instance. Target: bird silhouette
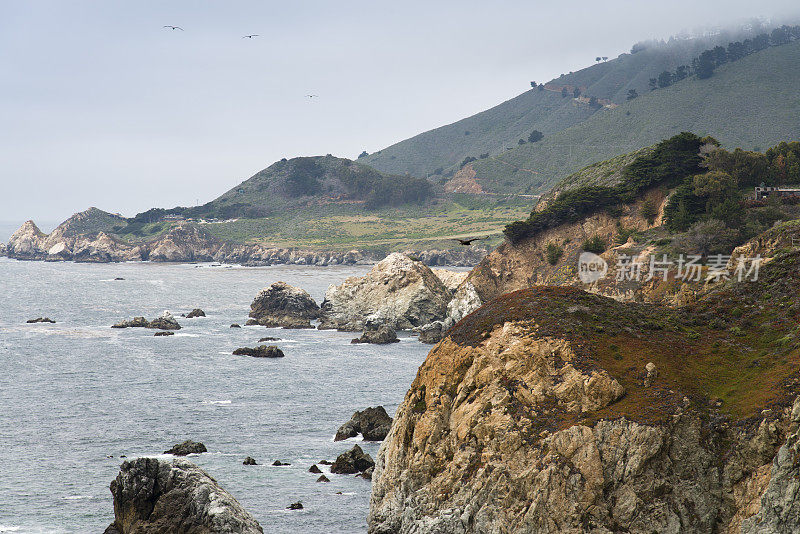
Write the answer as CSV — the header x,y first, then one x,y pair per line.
x,y
468,242
250,36
173,27
312,96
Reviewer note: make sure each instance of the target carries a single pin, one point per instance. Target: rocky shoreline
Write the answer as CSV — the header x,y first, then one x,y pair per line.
x,y
190,242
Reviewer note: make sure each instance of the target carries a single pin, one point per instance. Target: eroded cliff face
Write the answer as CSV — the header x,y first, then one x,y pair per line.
x,y
551,410
511,267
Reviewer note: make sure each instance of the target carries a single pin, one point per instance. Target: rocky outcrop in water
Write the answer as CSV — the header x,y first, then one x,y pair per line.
x,y
187,447
40,320
353,461
262,351
372,423
153,496
398,291
283,305
197,312
381,335
553,410
165,322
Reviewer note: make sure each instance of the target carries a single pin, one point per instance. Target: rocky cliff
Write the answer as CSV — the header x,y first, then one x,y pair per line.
x,y
554,410
516,266
153,496
88,237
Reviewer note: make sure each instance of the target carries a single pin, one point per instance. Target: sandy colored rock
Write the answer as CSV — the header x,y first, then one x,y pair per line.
x,y
398,291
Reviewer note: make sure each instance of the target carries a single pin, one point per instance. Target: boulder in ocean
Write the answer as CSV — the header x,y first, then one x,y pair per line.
x,y
236,325
372,423
282,305
164,333
154,496
382,335
136,322
165,322
197,312
40,320
295,506
187,447
314,469
323,478
262,351
353,461
399,292
249,461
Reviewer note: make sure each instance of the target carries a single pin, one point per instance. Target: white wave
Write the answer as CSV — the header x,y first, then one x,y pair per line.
x,y
357,438
217,402
4,528
77,497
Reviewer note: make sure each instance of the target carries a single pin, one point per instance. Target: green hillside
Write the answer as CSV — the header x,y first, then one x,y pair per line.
x,y
325,203
750,103
496,129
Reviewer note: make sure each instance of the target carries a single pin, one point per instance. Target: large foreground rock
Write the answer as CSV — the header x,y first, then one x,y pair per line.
x,y
398,291
372,423
283,305
153,496
550,410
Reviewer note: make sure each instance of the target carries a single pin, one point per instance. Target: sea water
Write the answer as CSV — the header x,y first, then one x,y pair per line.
x,y
77,395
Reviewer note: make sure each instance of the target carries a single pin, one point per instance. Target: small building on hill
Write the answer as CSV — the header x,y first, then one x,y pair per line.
x,y
763,192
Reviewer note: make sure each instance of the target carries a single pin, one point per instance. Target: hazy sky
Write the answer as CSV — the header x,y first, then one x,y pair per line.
x,y
101,106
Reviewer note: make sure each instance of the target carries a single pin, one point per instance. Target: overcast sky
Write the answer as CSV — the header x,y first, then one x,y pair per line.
x,y
102,106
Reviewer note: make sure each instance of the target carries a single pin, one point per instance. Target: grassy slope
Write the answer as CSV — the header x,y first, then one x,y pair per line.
x,y
738,344
502,126
751,103
428,226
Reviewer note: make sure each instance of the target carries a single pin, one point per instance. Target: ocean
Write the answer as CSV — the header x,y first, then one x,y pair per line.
x,y
76,395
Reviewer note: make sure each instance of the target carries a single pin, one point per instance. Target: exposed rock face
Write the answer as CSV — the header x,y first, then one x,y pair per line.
x,y
249,461
398,292
511,267
382,335
184,242
283,305
353,461
262,351
464,301
153,496
197,312
527,418
373,424
187,447
87,237
450,279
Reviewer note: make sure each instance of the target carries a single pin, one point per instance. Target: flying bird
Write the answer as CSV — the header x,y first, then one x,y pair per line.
x,y
312,96
250,36
173,27
468,242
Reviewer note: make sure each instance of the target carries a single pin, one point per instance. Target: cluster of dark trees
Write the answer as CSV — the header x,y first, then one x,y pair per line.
x,y
715,194
672,160
703,65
